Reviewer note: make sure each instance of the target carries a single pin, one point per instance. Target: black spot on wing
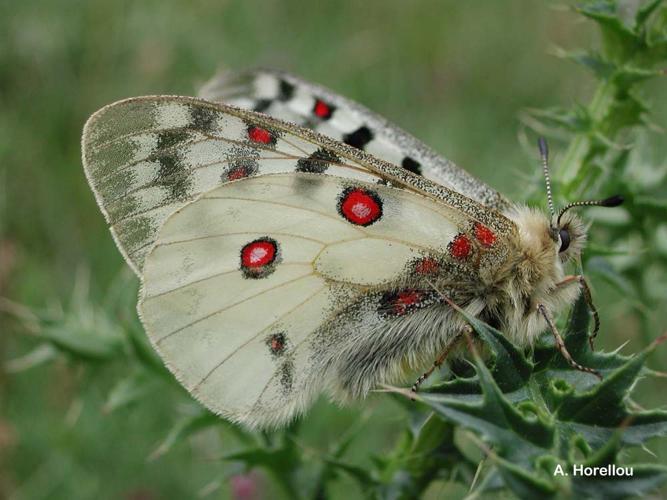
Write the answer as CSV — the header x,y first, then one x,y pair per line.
x,y
202,118
262,105
412,165
317,162
359,138
286,91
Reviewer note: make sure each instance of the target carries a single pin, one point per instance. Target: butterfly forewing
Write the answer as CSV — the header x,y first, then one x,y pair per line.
x,y
291,98
146,157
246,289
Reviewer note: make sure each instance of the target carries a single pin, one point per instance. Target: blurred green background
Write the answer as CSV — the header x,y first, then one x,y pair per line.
x,y
455,74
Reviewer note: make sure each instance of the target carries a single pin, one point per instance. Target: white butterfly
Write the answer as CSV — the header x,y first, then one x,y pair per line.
x,y
283,259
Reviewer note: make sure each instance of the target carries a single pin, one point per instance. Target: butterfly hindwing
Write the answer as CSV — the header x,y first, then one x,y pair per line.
x,y
265,291
288,97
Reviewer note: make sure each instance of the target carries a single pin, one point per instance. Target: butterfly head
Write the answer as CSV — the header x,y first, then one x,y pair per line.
x,y
566,229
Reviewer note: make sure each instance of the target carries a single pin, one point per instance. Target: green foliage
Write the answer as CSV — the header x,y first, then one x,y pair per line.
x,y
496,424
556,416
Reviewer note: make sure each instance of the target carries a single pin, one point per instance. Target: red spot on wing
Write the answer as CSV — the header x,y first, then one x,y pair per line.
x,y
261,135
258,253
427,265
406,300
237,173
322,109
360,207
460,247
276,343
484,235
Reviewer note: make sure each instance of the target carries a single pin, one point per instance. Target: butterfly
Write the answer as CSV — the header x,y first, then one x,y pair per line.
x,y
290,242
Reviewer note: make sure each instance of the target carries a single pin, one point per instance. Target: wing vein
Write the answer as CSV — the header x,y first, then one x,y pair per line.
x,y
237,233
279,318
296,347
223,309
216,275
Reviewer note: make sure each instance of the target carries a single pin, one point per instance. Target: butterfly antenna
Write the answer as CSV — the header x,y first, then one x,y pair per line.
x,y
612,201
544,157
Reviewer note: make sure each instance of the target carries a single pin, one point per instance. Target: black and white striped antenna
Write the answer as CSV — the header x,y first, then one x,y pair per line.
x,y
544,157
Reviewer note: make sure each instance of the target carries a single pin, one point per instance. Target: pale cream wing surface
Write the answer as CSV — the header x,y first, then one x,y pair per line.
x,y
244,285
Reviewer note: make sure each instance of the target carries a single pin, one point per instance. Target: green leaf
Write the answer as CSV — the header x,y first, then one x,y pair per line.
x,y
520,433
145,354
363,478
625,76
138,386
523,483
281,460
619,40
201,419
99,343
644,12
577,120
553,412
41,354
602,68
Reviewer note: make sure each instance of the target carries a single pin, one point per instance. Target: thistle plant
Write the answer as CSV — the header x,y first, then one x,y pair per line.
x,y
501,423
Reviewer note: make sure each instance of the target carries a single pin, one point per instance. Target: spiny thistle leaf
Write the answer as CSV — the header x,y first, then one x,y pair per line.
x,y
201,419
558,413
130,390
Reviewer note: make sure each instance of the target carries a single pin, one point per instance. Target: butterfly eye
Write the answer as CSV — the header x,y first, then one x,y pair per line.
x,y
564,240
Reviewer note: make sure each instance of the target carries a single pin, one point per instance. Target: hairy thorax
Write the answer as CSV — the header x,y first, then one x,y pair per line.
x,y
533,274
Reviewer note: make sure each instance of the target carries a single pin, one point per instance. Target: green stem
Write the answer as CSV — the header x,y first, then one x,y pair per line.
x,y
580,147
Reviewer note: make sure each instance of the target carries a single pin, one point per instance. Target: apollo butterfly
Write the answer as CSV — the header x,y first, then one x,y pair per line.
x,y
290,242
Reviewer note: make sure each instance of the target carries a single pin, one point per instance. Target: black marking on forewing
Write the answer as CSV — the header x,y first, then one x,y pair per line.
x,y
240,169
411,165
173,176
262,105
317,162
169,138
359,138
286,91
202,118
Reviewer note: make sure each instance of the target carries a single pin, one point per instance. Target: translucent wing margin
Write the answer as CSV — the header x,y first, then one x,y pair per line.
x,y
288,97
146,157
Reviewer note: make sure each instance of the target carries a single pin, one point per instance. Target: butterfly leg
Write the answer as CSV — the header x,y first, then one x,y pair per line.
x,y
443,356
561,345
589,302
